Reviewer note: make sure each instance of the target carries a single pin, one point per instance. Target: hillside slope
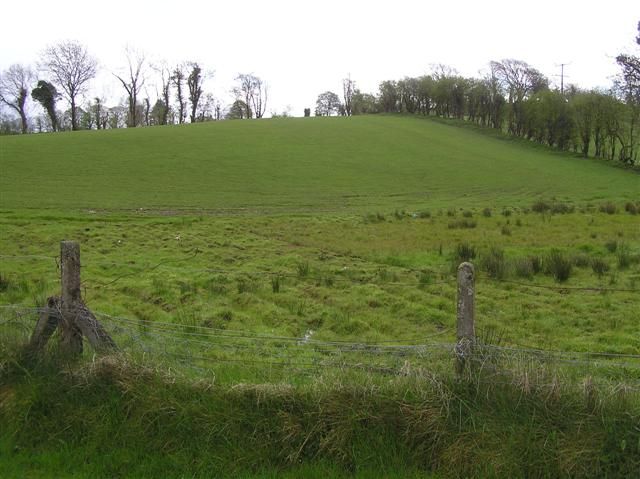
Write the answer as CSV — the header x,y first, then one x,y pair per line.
x,y
318,163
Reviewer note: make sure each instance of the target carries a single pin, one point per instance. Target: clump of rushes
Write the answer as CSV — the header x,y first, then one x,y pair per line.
x,y
558,265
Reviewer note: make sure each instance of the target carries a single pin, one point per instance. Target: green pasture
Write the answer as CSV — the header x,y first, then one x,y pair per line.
x,y
359,278
288,165
206,248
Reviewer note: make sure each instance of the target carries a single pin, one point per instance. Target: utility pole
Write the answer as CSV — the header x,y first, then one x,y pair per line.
x,y
562,65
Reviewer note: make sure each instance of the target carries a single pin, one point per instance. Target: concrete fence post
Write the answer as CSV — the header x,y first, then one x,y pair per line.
x,y
466,334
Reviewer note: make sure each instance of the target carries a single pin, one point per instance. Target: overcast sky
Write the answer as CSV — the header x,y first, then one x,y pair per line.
x,y
302,48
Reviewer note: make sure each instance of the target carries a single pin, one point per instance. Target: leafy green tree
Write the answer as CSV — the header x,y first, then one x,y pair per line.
x,y
389,96
194,84
585,107
178,79
158,112
408,89
364,103
327,104
478,101
425,94
239,110
628,88
46,94
519,81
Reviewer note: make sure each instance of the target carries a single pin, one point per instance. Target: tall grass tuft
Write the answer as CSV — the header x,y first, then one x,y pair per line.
x,y
599,266
558,265
303,269
494,263
624,256
464,252
523,267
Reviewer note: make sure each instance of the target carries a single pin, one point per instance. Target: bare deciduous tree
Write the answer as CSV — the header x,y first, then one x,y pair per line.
x,y
519,80
161,113
72,67
253,91
15,83
133,83
348,89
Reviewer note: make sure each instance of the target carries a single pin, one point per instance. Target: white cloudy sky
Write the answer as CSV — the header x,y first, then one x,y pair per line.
x,y
302,48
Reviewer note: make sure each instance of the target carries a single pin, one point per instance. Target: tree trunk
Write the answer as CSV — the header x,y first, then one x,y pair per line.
x,y
23,120
74,121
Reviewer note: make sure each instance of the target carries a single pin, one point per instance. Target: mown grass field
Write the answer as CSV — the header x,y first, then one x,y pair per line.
x,y
359,163
339,230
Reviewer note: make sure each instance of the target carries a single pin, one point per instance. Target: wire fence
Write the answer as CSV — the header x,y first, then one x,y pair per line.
x,y
252,356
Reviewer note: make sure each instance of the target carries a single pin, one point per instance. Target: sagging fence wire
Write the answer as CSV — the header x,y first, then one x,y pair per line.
x,y
202,348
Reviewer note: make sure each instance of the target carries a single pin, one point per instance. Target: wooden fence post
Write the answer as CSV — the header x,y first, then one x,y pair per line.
x,y
70,335
69,313
466,334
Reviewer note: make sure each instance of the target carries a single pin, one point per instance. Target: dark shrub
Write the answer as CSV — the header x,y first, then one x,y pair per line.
x,y
486,212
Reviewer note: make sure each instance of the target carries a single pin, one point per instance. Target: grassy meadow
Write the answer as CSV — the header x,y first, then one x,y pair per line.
x,y
316,164
206,249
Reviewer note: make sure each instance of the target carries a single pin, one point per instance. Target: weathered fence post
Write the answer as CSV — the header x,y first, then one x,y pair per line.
x,y
69,313
70,335
466,334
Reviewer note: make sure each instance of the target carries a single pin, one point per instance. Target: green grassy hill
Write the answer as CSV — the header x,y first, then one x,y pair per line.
x,y
318,163
318,342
